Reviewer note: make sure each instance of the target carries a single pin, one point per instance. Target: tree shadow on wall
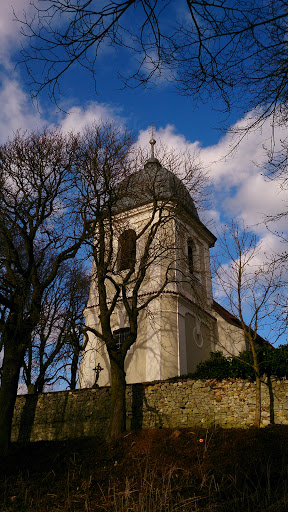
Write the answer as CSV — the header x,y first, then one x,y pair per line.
x,y
271,404
139,401
27,418
48,425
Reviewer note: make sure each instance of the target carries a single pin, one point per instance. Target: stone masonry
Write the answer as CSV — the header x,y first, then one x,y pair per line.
x,y
183,403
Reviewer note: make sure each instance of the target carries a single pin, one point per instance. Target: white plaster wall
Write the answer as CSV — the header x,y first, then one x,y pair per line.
x,y
231,339
197,287
169,336
153,343
143,361
160,351
196,336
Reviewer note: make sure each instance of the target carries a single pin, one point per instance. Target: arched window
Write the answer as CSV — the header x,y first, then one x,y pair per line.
x,y
127,250
190,256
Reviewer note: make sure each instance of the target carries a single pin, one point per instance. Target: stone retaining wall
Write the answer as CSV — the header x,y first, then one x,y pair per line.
x,y
185,403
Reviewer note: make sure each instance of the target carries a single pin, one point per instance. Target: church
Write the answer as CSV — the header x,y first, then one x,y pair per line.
x,y
182,325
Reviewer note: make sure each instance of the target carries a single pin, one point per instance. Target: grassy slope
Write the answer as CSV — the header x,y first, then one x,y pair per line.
x,y
151,471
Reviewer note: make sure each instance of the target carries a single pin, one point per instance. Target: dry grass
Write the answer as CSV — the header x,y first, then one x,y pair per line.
x,y
189,470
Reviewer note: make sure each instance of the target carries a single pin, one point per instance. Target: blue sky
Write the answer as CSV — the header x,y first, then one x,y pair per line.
x,y
239,190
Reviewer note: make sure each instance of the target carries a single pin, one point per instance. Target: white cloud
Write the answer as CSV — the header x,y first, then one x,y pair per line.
x,y
255,199
151,67
10,28
167,137
79,117
211,218
269,245
17,111
240,190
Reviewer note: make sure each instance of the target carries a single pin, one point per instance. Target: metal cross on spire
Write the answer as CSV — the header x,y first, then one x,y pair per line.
x,y
152,141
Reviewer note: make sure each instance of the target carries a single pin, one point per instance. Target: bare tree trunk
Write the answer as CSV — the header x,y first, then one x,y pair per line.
x,y
13,360
118,399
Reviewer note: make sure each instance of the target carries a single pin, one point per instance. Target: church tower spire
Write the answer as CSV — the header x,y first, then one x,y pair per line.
x,y
152,141
152,159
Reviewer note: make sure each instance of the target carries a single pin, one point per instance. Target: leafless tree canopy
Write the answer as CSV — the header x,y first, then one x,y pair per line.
x,y
57,342
39,232
251,283
254,290
221,46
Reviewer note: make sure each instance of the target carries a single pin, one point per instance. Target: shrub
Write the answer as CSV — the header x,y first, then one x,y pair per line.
x,y
272,361
217,367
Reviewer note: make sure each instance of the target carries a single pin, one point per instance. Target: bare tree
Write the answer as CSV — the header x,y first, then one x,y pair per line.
x,y
39,231
234,49
123,253
253,288
57,341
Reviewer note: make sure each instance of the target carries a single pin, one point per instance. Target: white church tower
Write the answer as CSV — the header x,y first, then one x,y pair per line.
x,y
177,330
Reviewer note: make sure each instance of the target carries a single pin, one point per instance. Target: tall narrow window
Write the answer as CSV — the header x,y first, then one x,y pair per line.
x,y
127,250
190,256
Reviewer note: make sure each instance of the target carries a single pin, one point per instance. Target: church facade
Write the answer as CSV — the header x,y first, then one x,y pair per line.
x,y
182,324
